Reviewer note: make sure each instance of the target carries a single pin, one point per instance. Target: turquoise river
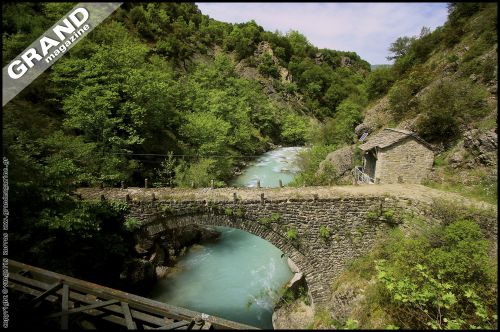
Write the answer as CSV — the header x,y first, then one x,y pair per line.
x,y
238,276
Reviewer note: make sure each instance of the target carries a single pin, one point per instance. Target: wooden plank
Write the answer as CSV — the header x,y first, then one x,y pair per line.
x,y
207,326
128,317
135,302
172,326
28,281
31,291
198,326
53,288
64,307
85,308
53,298
151,319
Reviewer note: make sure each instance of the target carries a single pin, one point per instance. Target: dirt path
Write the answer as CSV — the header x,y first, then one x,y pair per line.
x,y
409,191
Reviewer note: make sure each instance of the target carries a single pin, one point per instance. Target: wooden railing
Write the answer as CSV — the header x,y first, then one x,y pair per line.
x,y
361,177
121,308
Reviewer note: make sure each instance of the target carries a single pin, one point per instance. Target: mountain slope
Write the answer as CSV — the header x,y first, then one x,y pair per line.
x,y
444,87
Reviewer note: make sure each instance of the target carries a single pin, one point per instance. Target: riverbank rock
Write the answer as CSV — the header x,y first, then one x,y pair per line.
x,y
138,274
161,271
293,267
179,239
294,316
158,254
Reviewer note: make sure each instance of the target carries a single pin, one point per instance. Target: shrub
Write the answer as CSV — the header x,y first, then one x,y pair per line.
x,y
166,172
448,105
264,220
292,234
275,217
351,324
373,215
389,216
131,224
267,220
165,209
443,279
399,99
267,67
293,129
339,129
239,212
200,173
324,233
309,161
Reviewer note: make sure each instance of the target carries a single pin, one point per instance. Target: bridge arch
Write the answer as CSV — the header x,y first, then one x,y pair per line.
x,y
161,223
352,233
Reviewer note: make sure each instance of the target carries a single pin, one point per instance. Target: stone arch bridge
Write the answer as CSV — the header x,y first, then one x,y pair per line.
x,y
333,225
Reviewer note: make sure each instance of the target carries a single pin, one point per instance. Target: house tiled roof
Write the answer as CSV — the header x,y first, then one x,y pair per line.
x,y
389,136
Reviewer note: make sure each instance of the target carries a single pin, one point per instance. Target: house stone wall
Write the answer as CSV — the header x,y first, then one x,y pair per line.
x,y
407,161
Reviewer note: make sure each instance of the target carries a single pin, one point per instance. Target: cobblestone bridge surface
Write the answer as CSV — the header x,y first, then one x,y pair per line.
x,y
333,225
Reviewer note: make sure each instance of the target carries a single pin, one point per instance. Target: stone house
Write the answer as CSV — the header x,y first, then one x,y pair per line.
x,y
395,156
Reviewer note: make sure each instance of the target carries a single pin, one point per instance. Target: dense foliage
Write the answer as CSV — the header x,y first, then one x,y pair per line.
x,y
428,276
156,91
443,280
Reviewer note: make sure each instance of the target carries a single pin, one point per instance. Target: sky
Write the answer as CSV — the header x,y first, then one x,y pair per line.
x,y
365,28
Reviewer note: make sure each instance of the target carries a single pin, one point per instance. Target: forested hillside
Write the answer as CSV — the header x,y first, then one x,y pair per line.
x,y
157,91
429,275
443,86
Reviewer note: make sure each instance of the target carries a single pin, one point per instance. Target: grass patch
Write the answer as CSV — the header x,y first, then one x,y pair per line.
x,y
479,184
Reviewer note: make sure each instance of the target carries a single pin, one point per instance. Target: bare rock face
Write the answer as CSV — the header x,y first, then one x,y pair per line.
x,y
482,145
341,160
263,48
362,128
294,316
409,124
344,300
319,58
247,72
458,158
378,115
345,61
285,75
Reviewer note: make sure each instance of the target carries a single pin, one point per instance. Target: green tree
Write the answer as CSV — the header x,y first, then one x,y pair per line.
x,y
379,81
400,47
